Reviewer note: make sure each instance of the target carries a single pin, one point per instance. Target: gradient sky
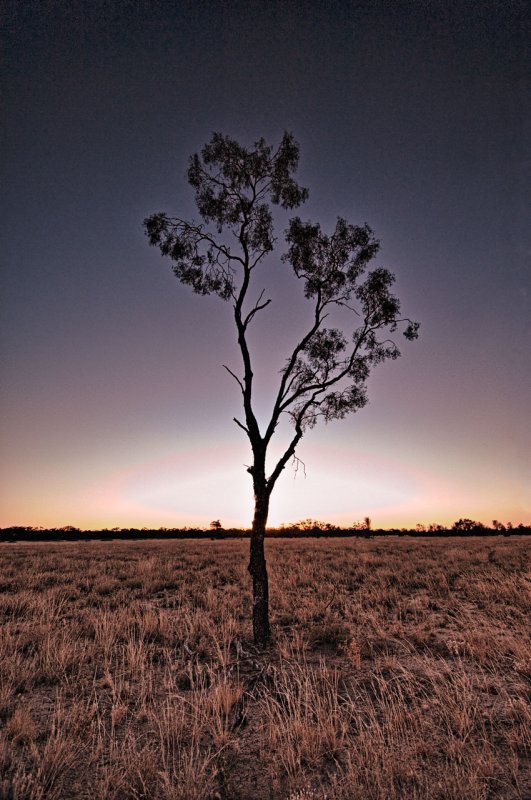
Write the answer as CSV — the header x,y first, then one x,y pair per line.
x,y
412,116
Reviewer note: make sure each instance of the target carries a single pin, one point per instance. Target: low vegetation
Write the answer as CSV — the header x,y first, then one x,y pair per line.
x,y
399,669
307,527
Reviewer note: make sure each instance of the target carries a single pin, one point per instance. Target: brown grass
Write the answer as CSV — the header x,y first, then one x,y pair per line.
x,y
399,670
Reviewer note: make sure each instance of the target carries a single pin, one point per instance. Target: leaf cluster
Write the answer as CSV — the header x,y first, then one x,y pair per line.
x,y
233,185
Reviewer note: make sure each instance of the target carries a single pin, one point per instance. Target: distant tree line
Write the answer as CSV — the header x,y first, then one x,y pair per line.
x,y
305,528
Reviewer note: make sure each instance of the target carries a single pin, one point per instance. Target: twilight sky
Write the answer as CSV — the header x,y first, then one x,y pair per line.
x,y
413,116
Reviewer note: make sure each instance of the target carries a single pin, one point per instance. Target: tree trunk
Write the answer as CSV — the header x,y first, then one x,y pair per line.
x,y
258,568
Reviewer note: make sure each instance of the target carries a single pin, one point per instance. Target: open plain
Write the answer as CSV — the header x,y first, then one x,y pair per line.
x,y
400,669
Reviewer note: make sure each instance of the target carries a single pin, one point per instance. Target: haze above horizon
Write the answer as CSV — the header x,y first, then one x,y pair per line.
x,y
416,120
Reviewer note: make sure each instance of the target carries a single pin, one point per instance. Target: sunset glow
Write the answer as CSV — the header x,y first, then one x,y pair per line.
x,y
116,410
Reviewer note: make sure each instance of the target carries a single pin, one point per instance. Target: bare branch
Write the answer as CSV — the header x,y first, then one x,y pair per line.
x,y
298,462
258,307
253,431
241,425
277,410
346,305
290,450
260,255
238,381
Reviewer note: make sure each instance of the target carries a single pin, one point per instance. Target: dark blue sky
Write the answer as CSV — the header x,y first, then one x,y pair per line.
x,y
414,117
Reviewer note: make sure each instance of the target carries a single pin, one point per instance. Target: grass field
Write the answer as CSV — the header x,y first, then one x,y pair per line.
x,y
400,669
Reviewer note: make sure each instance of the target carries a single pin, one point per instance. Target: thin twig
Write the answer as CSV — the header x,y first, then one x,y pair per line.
x,y
238,381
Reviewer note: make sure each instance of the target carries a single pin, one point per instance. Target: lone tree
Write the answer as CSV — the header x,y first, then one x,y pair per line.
x,y
325,374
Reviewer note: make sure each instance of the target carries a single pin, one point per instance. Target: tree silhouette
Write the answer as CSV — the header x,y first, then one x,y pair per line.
x,y
466,525
325,374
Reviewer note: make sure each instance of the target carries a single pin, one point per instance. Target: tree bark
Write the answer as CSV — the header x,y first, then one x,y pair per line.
x,y
258,567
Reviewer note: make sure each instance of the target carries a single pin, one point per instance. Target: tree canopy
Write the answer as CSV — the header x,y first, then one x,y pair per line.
x,y
325,375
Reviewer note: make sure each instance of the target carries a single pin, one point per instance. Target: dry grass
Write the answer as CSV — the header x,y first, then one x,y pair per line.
x,y
399,670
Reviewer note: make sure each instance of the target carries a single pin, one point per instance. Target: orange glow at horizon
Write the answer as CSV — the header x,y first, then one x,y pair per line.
x,y
191,487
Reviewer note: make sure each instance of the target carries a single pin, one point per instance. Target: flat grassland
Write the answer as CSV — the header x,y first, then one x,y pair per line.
x,y
400,669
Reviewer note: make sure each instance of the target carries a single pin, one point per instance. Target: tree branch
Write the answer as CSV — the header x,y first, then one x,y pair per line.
x,y
241,425
277,409
326,384
258,307
283,460
298,462
290,450
203,235
238,381
253,431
